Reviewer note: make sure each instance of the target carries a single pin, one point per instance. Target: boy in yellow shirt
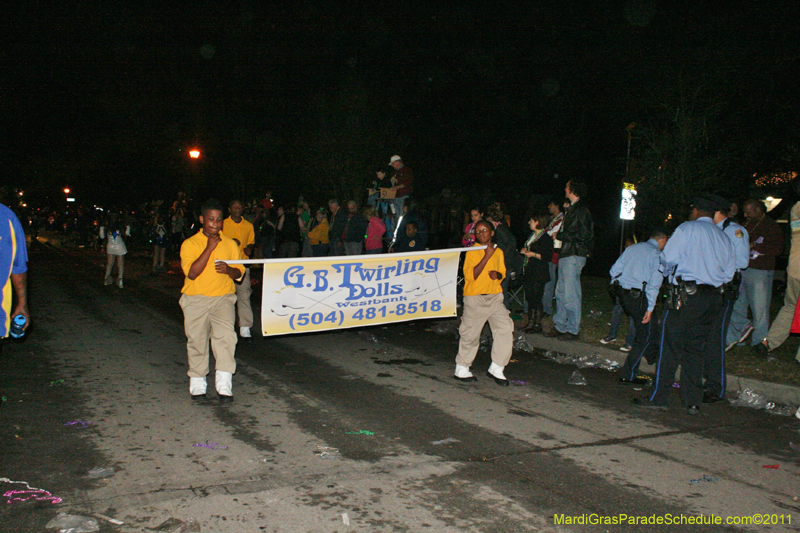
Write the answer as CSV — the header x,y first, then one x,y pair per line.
x,y
484,270
241,231
208,300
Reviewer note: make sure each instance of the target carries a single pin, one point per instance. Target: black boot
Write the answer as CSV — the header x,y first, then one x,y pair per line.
x,y
538,314
534,322
528,323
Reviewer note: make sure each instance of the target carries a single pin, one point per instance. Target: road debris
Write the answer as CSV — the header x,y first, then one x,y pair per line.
x,y
30,493
756,400
576,379
101,472
704,479
109,519
210,446
70,523
448,440
326,452
360,432
80,424
522,343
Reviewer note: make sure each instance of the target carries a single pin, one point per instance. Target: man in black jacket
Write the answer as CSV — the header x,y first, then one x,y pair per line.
x,y
336,222
355,228
506,241
577,239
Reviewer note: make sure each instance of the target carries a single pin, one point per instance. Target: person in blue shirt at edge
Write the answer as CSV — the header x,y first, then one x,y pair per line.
x,y
636,279
14,268
714,366
698,260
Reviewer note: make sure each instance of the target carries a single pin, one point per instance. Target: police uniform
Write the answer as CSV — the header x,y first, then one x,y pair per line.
x,y
637,272
714,365
698,259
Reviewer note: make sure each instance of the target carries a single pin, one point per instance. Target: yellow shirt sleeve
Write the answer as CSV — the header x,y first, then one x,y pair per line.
x,y
484,284
209,282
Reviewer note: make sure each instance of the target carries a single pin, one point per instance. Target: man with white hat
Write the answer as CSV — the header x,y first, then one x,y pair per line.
x,y
404,183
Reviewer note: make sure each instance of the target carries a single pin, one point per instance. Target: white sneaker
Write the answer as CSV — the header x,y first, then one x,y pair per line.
x,y
108,281
224,383
462,372
197,386
496,371
119,283
245,333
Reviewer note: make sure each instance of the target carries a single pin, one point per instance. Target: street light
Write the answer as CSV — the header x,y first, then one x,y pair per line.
x,y
194,153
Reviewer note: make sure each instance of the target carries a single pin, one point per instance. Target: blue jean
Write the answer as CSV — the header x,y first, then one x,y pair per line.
x,y
372,200
756,294
398,206
550,290
568,294
616,320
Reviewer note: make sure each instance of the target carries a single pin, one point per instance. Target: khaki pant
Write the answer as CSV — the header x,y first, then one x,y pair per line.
x,y
477,311
779,331
243,308
204,318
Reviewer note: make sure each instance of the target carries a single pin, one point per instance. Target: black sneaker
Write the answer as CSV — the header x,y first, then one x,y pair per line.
x,y
711,399
647,404
761,349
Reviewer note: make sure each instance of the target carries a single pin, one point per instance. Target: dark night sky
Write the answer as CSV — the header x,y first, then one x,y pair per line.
x,y
106,97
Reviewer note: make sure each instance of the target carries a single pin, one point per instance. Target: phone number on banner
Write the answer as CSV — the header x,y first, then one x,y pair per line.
x,y
370,313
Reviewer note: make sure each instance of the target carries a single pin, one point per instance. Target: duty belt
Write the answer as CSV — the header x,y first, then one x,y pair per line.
x,y
633,293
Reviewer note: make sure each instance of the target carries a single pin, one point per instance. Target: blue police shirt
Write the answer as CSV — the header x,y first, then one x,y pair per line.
x,y
639,264
740,241
701,252
13,260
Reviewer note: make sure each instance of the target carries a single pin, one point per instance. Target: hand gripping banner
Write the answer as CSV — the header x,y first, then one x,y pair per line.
x,y
321,293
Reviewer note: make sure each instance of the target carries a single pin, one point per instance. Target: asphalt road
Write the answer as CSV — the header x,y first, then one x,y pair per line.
x,y
348,431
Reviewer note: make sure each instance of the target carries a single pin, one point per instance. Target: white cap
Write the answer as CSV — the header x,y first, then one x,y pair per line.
x,y
395,158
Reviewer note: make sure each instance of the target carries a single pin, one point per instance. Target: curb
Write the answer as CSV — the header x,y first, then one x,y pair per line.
x,y
775,392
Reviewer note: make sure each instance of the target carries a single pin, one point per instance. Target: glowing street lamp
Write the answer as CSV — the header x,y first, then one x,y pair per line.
x,y
194,153
66,190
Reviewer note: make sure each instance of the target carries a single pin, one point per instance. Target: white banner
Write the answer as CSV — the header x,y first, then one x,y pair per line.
x,y
321,293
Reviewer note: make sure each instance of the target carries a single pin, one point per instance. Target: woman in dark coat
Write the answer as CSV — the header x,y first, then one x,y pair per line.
x,y
538,252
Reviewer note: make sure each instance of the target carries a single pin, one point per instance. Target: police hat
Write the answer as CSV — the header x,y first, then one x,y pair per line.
x,y
721,204
704,203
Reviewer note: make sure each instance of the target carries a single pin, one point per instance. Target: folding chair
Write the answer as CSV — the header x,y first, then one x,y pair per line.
x,y
517,295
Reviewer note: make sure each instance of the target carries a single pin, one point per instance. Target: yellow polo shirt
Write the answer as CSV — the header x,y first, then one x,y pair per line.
x,y
484,284
209,282
243,232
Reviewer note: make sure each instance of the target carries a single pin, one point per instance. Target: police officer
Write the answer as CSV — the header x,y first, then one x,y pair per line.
x,y
714,366
638,278
698,260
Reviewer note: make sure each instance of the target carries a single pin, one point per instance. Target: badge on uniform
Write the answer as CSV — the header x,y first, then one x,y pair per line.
x,y
739,233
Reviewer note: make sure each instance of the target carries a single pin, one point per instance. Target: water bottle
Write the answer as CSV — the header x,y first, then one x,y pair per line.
x,y
17,323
